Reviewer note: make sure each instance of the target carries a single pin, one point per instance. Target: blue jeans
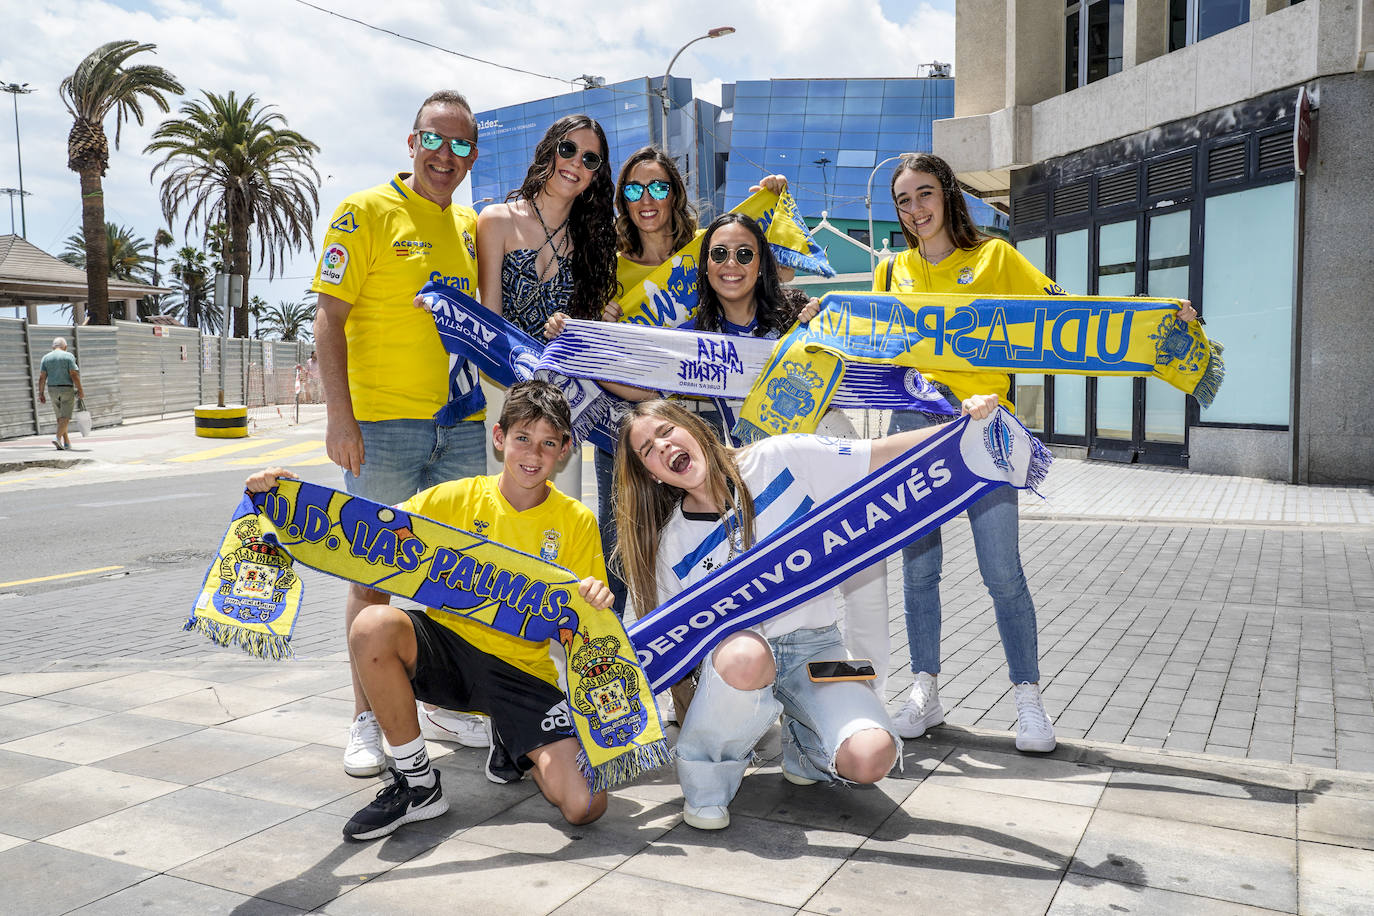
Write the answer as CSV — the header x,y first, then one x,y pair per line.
x,y
993,520
605,515
723,723
403,457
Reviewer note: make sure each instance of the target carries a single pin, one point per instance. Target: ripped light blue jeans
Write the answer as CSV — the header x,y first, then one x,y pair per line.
x,y
724,723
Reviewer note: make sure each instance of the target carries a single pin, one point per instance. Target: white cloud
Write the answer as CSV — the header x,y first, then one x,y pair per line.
x,y
354,90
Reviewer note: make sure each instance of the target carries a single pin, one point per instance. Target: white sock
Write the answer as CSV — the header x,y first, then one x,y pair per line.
x,y
413,762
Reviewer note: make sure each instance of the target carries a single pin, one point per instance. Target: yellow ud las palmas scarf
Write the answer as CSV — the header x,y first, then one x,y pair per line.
x,y
251,598
667,297
1054,335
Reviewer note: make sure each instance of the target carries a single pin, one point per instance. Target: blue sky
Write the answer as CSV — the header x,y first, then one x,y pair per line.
x,y
353,90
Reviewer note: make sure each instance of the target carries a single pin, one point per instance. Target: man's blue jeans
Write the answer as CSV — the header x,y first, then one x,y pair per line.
x,y
403,457
993,520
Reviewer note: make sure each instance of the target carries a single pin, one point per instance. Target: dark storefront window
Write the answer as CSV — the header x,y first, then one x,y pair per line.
x,y
1093,40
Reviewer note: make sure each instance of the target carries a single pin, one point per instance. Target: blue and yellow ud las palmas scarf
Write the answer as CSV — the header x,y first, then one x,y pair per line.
x,y
252,595
667,297
1055,335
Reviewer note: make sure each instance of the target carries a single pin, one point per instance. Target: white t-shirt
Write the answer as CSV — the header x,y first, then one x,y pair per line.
x,y
788,476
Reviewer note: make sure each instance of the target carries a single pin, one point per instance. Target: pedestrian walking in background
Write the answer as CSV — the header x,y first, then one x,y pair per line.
x,y
58,371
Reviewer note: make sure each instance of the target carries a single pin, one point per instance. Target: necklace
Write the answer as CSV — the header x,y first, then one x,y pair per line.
x,y
940,257
559,249
734,525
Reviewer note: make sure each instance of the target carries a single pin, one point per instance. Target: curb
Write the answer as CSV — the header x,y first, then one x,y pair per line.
x,y
6,466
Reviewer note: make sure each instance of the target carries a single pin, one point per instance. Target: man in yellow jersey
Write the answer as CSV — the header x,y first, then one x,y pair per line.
x,y
458,663
402,415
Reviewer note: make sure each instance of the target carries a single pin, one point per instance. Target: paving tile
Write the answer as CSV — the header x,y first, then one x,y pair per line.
x,y
619,894
1248,868
16,769
762,860
95,739
42,683
162,895
1239,805
33,717
537,827
304,861
200,755
74,796
471,798
826,806
1336,819
42,879
903,878
172,829
461,876
1082,895
311,719
1336,880
1025,776
9,842
120,694
306,777
219,703
984,824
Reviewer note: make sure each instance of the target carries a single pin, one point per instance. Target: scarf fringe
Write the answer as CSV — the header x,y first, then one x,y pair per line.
x,y
797,260
1041,459
259,645
1210,383
626,767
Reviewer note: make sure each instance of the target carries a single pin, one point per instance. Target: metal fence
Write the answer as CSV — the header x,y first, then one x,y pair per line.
x,y
133,370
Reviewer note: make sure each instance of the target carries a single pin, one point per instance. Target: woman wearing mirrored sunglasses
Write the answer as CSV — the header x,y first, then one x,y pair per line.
x,y
550,248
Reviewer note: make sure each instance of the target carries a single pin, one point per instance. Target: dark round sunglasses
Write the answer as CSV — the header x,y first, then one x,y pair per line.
x,y
432,141
658,190
720,254
590,161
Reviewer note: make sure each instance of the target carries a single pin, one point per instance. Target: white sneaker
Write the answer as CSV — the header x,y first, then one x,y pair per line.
x,y
798,779
666,711
708,817
454,727
364,755
922,710
1034,731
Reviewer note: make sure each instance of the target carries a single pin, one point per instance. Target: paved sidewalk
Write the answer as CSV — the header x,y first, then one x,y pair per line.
x,y
213,785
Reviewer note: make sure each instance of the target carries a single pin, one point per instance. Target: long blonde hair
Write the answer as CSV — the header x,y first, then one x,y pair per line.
x,y
643,506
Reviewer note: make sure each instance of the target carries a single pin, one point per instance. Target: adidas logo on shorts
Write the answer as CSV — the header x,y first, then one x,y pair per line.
x,y
557,717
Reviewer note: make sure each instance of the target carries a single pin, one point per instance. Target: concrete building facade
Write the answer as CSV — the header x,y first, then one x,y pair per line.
x,y
1216,150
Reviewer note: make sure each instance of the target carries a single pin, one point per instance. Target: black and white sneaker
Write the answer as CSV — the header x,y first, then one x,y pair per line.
x,y
501,767
398,803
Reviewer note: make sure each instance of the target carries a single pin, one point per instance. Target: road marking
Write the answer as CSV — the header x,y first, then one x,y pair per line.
x,y
141,499
224,450
286,451
310,462
84,572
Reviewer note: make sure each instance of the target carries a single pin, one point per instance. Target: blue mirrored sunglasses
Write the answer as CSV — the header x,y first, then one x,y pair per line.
x,y
432,141
658,190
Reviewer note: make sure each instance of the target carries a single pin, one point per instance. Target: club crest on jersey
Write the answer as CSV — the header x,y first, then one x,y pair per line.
x,y
346,223
333,263
965,276
548,551
470,244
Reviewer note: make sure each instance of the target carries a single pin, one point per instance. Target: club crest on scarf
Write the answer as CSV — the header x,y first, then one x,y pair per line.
x,y
999,441
608,691
255,577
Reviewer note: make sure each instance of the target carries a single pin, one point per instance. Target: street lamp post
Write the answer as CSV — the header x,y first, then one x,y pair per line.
x,y
13,193
825,185
15,90
663,88
868,203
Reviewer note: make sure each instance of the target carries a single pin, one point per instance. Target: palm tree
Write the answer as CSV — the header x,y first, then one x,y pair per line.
x,y
229,161
194,284
125,257
289,320
161,239
100,84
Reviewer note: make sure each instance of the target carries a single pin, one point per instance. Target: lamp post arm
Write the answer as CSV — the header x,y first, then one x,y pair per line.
x,y
868,203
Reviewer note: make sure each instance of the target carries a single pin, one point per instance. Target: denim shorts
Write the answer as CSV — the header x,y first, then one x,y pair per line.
x,y
403,457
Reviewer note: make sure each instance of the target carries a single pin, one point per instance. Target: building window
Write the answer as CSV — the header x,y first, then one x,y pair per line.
x,y
1193,20
1093,31
859,235
896,241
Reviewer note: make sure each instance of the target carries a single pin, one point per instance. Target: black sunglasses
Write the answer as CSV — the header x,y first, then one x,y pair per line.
x,y
432,141
720,254
658,190
590,161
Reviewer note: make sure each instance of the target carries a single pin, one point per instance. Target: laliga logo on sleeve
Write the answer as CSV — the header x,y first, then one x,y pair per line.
x,y
334,263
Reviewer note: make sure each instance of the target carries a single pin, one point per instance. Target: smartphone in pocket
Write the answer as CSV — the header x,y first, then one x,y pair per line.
x,y
853,669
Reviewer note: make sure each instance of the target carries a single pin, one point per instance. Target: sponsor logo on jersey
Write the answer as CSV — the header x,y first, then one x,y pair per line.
x,y
334,263
345,223
404,248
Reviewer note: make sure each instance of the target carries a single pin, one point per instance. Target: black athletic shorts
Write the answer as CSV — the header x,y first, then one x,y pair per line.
x,y
451,672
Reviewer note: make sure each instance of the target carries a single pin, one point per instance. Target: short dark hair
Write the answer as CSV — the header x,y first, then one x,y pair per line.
x,y
533,400
443,97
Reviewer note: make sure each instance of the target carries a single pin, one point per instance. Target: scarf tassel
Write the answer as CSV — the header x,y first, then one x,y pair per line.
x,y
627,766
1041,459
259,645
1210,383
